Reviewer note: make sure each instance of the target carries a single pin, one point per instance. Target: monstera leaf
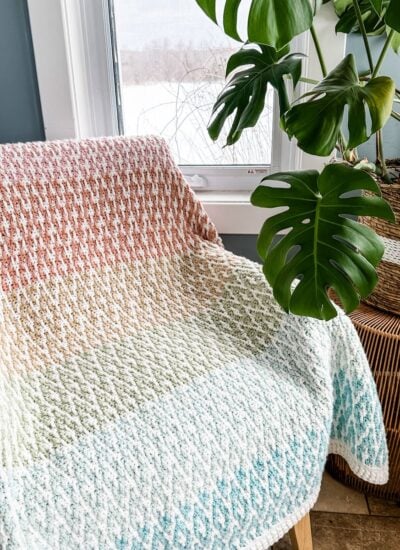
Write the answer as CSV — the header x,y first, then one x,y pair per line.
x,y
395,42
269,22
392,19
317,123
323,249
377,5
372,13
245,93
376,14
392,16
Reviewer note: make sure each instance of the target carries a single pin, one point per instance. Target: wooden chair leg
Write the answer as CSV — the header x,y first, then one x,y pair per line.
x,y
300,534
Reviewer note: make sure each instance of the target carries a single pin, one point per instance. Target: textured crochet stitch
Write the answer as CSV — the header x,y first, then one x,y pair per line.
x,y
152,393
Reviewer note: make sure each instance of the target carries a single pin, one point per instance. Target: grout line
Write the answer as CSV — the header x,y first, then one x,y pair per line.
x,y
344,513
367,501
379,516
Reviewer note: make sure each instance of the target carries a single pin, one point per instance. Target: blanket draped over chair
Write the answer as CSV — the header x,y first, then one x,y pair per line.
x,y
152,393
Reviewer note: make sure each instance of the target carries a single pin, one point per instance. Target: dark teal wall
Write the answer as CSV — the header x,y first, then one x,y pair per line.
x,y
242,245
20,111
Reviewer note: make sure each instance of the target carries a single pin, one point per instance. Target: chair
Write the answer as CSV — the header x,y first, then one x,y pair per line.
x,y
152,393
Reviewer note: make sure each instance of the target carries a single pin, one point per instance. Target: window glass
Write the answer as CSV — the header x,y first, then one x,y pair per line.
x,y
172,64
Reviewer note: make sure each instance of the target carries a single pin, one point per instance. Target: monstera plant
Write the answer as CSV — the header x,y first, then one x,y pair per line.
x,y
323,247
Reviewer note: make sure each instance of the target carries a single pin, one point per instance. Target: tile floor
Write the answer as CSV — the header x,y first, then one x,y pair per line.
x,y
344,519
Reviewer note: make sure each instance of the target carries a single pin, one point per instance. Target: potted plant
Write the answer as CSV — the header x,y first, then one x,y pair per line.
x,y
323,247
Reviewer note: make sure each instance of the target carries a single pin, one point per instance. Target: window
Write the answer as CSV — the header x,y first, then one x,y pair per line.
x,y
166,62
171,68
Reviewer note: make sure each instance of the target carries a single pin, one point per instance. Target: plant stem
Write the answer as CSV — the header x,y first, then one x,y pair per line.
x,y
364,34
379,140
374,71
309,80
395,115
383,54
381,156
319,51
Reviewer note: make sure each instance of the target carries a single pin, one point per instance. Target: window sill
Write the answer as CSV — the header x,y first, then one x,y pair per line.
x,y
232,212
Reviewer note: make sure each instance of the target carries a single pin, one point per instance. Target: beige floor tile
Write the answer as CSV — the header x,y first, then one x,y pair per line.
x,y
382,524
336,497
382,507
333,520
350,531
386,541
380,533
332,531
374,540
335,531
283,544
382,541
325,538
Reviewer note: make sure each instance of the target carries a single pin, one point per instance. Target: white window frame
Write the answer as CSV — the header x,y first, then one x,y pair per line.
x,y
75,67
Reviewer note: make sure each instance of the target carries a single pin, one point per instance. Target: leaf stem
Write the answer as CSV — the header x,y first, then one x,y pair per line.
x,y
364,34
379,139
319,51
383,54
395,115
309,80
381,156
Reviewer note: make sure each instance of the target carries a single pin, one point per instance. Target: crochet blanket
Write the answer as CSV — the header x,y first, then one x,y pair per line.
x,y
152,393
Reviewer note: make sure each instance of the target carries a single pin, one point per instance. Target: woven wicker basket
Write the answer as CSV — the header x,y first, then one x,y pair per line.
x,y
386,295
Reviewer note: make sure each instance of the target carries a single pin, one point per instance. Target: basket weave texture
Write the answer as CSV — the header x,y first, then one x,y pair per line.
x,y
386,295
380,335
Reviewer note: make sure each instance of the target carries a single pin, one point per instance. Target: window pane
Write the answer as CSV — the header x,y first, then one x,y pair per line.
x,y
172,68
